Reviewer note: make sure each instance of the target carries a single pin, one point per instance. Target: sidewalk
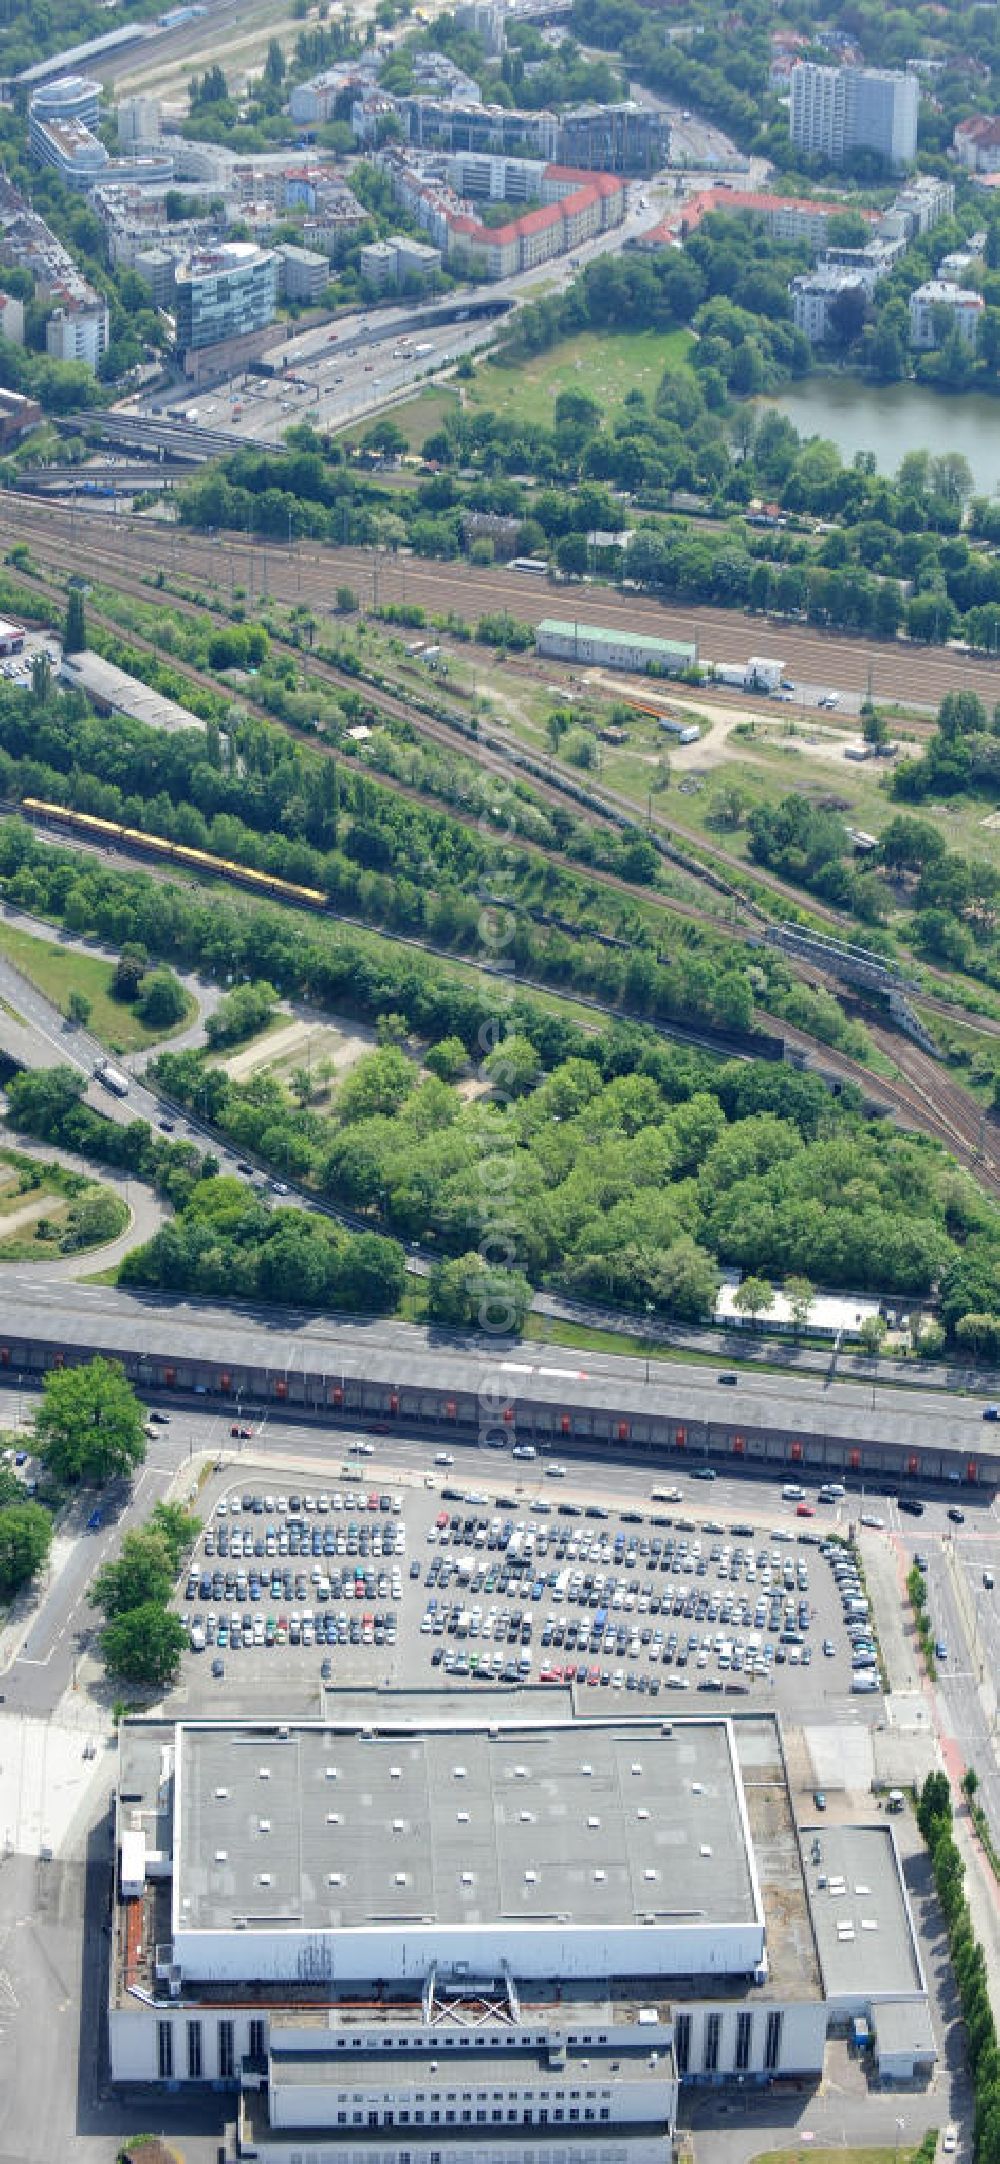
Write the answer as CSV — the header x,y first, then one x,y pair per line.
x,y
886,1566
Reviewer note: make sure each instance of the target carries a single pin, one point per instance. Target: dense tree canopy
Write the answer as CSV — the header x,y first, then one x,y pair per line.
x,y
144,1645
89,1426
25,1540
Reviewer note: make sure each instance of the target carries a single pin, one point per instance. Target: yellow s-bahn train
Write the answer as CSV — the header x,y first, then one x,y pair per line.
x,y
113,834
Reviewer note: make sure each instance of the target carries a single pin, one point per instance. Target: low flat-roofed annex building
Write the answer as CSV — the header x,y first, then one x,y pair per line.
x,y
868,1951
452,1925
598,646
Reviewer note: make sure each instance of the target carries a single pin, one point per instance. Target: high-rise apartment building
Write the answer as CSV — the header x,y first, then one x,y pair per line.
x,y
837,110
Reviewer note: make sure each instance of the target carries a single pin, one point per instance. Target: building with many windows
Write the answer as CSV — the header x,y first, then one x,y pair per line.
x,y
835,111
571,207
938,304
79,157
817,296
976,143
400,1926
140,123
71,97
225,298
78,330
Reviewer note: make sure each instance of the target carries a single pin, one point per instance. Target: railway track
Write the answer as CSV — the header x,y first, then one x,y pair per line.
x,y
703,858
398,708
966,1126
491,754
922,1095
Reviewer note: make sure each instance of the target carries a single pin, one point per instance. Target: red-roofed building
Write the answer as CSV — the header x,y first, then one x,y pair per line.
x,y
976,143
791,218
575,206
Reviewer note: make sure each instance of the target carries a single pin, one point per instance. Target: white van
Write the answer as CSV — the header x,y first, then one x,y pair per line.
x,y
793,1494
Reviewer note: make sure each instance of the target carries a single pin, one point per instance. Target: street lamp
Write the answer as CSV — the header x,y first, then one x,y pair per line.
x,y
900,2124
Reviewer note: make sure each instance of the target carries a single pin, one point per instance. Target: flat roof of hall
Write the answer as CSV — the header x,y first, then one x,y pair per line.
x,y
337,2068
860,1912
327,1827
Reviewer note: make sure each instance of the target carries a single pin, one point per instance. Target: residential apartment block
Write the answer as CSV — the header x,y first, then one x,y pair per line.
x,y
573,207
79,329
976,143
835,111
964,308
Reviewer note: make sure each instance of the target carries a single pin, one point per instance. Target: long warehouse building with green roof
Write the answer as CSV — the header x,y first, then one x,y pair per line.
x,y
597,646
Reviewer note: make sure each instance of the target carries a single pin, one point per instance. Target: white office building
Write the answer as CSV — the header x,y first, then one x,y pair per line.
x,y
69,98
140,123
835,111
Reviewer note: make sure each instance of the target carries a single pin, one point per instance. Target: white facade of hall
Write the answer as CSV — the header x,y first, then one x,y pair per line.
x,y
524,1931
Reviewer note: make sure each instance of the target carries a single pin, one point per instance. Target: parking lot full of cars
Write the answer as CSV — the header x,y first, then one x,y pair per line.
x,y
518,1589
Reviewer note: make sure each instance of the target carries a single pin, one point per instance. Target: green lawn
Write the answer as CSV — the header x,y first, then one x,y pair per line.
x,y
604,365
836,2156
58,971
35,1202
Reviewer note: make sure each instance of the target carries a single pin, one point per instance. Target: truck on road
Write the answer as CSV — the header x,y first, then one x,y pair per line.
x,y
112,1078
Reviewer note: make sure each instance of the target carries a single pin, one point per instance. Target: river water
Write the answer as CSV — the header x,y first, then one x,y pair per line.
x,y
893,418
